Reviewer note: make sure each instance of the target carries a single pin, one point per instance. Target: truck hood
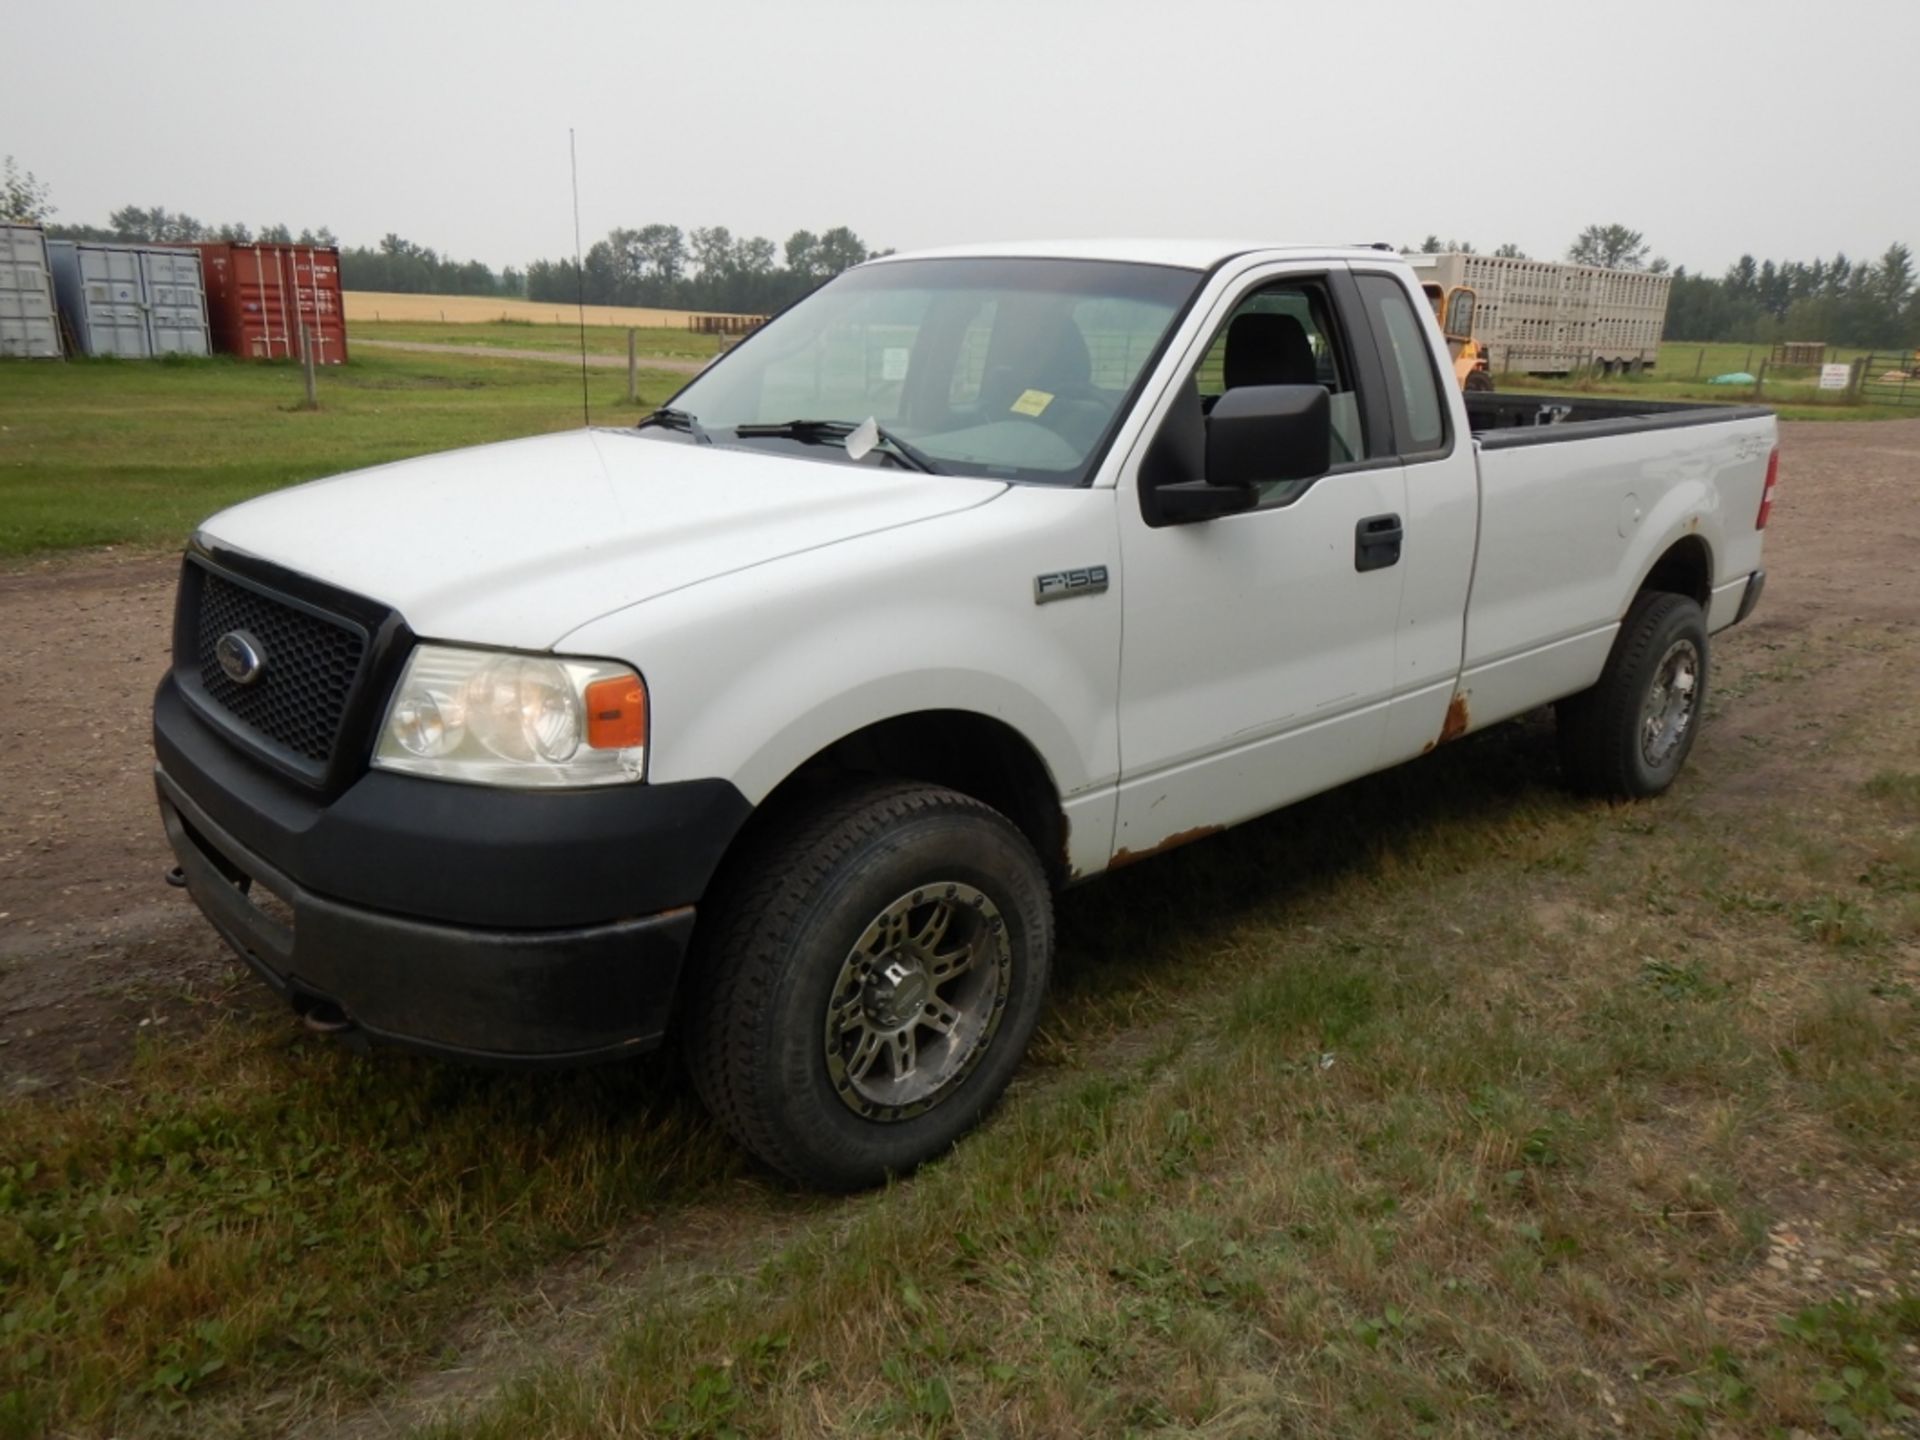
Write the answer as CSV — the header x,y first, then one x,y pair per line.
x,y
518,543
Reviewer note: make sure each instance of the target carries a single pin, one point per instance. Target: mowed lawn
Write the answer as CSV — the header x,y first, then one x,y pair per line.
x,y
1686,368
563,338
96,452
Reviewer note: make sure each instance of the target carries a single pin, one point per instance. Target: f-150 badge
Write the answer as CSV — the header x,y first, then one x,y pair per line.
x,y
1062,584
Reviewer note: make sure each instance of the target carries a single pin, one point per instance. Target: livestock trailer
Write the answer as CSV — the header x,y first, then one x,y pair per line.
x,y
1547,318
27,325
134,301
266,301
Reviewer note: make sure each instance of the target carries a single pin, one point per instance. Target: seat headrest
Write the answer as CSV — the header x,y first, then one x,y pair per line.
x,y
1268,349
1068,360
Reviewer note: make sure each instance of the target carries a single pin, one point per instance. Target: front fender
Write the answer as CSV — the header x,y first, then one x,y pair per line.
x,y
752,674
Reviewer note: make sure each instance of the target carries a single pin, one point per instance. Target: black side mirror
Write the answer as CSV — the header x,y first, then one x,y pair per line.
x,y
1185,501
1261,433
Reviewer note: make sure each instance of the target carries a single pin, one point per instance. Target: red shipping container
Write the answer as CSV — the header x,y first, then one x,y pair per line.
x,y
261,298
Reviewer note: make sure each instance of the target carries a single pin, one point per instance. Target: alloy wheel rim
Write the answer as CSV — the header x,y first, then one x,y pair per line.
x,y
917,1001
1668,712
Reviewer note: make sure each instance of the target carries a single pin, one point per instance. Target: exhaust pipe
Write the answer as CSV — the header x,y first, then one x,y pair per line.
x,y
323,1017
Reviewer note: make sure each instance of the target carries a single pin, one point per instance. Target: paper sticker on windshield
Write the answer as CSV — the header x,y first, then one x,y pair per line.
x,y
1031,402
893,362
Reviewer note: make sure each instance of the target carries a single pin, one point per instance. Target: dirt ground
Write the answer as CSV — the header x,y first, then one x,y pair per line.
x,y
94,947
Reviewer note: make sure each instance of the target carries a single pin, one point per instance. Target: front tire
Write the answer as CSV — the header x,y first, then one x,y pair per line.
x,y
873,972
1628,736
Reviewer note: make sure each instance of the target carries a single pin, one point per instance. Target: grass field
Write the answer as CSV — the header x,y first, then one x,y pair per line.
x,y
523,335
1685,368
105,453
481,309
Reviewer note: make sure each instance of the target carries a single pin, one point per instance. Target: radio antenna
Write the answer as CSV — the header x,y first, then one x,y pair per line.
x,y
579,279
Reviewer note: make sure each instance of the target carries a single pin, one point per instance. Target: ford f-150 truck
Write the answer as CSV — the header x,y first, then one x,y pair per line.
x,y
777,719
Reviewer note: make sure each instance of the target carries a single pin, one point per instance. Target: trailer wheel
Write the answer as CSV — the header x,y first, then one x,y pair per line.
x,y
1628,736
872,974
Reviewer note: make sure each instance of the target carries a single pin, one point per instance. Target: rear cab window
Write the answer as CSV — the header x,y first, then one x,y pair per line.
x,y
1417,402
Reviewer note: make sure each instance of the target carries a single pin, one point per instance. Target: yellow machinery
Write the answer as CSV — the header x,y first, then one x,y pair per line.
x,y
1454,310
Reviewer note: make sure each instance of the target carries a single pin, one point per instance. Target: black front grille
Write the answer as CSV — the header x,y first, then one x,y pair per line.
x,y
299,699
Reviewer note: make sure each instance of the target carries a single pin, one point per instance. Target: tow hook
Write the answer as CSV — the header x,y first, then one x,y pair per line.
x,y
177,878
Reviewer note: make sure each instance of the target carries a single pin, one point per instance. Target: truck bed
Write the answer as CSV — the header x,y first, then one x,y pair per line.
x,y
1513,418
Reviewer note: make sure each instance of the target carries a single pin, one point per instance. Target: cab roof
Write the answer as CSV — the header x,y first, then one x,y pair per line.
x,y
1184,254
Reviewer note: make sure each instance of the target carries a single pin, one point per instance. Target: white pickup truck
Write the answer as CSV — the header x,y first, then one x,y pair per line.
x,y
777,719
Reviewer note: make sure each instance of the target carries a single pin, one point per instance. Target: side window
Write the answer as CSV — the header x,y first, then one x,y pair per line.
x,y
1408,358
1284,335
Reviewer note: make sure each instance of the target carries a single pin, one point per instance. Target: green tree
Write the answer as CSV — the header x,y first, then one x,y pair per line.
x,y
663,254
841,249
1894,276
711,247
24,195
1613,247
803,257
1511,251
756,256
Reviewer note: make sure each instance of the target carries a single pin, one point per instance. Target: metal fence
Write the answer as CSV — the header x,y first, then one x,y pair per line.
x,y
1890,378
724,324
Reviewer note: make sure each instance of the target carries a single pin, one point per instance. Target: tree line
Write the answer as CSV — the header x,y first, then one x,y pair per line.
x,y
395,263
706,268
1872,303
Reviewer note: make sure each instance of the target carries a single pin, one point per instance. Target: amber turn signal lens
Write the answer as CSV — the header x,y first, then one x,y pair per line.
x,y
617,713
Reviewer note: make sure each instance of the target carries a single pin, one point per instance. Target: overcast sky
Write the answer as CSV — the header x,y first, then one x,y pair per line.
x,y
1783,127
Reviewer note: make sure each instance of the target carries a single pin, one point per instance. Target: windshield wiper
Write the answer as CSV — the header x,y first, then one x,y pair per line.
x,y
672,419
811,432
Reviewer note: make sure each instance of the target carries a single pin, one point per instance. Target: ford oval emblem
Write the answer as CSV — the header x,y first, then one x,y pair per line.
x,y
240,656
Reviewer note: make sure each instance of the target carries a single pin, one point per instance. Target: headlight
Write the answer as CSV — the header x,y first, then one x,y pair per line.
x,y
522,720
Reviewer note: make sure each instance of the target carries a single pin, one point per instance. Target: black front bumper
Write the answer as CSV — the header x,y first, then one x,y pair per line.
x,y
468,921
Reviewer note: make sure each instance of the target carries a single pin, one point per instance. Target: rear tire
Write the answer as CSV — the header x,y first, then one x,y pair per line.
x,y
1628,736
1479,382
871,974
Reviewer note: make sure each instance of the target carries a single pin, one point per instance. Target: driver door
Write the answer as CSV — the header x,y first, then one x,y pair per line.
x,y
1258,651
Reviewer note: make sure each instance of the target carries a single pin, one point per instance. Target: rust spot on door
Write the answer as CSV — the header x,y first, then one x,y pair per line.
x,y
1172,842
1456,722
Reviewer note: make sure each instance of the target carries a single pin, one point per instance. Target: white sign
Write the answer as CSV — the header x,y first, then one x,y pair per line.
x,y
893,362
1835,377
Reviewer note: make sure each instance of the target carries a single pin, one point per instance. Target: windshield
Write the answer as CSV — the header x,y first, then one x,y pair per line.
x,y
1017,369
